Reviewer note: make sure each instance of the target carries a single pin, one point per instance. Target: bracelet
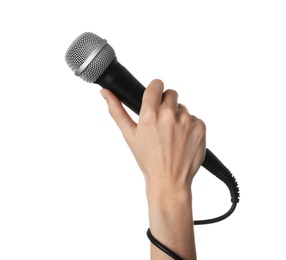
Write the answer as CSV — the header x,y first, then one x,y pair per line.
x,y
162,247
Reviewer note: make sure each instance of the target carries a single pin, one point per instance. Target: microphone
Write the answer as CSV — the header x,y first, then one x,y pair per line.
x,y
94,60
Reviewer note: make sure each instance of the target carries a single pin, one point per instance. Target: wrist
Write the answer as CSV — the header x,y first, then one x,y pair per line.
x,y
164,198
171,220
164,205
162,193
165,201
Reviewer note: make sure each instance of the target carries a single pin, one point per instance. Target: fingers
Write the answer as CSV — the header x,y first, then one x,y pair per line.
x,y
183,108
170,98
152,97
119,114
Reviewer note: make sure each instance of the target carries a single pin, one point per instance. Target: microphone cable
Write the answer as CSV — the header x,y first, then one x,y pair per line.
x,y
215,166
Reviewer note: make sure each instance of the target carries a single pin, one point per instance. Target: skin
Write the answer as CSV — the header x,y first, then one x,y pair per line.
x,y
169,146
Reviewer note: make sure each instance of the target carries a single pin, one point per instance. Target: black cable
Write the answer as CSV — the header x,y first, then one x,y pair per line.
x,y
162,247
214,220
215,166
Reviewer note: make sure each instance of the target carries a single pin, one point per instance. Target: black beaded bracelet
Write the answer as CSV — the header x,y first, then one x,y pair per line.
x,y
162,247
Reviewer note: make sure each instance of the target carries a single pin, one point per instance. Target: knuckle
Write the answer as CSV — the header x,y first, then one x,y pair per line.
x,y
171,92
183,108
185,118
192,122
157,82
149,115
201,126
168,113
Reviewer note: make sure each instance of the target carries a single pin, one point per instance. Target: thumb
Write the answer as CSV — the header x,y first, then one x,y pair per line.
x,y
119,114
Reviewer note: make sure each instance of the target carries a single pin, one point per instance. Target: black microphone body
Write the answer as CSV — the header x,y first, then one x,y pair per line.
x,y
123,84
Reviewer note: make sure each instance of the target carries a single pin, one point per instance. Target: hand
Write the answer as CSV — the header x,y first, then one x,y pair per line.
x,y
168,143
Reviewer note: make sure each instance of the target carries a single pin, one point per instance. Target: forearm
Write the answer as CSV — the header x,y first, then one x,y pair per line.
x,y
171,223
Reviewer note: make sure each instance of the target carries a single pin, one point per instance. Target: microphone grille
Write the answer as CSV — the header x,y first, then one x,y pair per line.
x,y
79,51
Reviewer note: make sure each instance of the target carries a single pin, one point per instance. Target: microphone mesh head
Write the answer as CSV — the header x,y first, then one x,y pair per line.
x,y
79,51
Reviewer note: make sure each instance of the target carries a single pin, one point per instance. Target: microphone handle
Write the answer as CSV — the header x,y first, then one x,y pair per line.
x,y
130,92
123,84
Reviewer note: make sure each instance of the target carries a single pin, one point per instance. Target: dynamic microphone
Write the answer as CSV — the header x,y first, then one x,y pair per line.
x,y
94,60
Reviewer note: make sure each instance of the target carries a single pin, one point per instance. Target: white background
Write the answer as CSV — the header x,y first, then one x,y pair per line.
x,y
69,186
